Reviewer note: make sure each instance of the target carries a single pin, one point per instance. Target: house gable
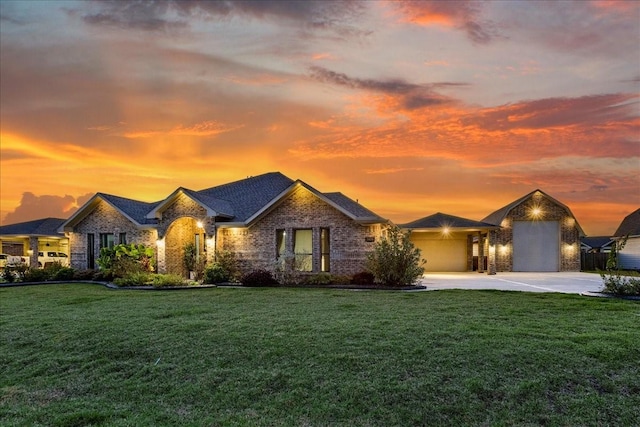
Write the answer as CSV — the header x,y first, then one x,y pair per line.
x,y
302,208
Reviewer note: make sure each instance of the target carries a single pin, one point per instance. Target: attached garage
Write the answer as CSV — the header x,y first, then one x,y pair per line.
x,y
443,253
536,245
449,243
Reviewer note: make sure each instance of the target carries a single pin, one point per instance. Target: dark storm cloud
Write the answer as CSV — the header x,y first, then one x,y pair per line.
x,y
152,15
412,95
47,206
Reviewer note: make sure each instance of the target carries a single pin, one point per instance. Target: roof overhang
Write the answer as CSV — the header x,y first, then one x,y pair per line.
x,y
161,207
89,207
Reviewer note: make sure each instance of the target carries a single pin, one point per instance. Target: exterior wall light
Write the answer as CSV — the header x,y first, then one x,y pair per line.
x,y
199,224
160,242
446,230
536,212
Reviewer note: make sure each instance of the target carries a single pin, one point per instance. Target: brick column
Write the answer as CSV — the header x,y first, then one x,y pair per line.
x,y
480,253
491,263
469,252
33,247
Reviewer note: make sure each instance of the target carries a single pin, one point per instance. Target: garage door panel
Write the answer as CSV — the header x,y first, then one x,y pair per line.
x,y
536,245
443,254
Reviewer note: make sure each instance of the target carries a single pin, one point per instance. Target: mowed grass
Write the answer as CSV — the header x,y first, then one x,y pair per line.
x,y
75,355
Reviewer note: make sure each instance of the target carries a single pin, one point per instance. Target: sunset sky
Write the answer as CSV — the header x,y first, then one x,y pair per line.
x,y
411,107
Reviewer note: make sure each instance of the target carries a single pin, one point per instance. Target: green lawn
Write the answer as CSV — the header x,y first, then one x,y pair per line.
x,y
73,355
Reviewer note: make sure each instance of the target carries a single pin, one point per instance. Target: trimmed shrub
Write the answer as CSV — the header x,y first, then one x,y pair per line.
x,y
362,278
259,278
320,279
83,274
103,276
139,278
215,273
229,263
168,280
35,275
62,274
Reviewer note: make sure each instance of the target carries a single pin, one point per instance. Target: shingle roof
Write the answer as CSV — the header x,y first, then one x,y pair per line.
x,y
38,227
244,198
630,225
499,215
135,209
596,242
351,206
439,220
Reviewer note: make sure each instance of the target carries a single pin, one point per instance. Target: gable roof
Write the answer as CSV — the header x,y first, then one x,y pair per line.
x,y
134,210
38,227
238,203
498,216
355,209
440,220
630,225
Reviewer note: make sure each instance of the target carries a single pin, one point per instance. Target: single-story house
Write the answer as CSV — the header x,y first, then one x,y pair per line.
x,y
596,244
450,243
30,237
537,233
629,256
262,219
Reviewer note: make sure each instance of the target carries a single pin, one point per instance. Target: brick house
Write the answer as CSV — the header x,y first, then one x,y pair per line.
x,y
261,219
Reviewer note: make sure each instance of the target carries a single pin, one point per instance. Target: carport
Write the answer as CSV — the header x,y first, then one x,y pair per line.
x,y
28,238
450,243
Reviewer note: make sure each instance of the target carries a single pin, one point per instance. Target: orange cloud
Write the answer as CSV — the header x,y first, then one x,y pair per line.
x,y
207,128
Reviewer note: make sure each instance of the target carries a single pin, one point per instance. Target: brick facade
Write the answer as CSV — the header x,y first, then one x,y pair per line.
x,y
104,219
255,246
502,244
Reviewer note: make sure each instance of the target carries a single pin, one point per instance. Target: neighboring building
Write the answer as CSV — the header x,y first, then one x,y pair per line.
x,y
596,244
450,243
629,256
537,233
29,238
261,219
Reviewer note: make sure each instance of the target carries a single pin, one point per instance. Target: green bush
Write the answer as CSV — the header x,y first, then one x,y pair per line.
x,y
35,275
229,263
83,274
363,278
618,283
216,273
258,278
63,274
167,280
139,278
103,276
395,261
320,279
7,275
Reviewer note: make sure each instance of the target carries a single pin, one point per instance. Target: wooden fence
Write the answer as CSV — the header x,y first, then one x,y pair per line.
x,y
593,261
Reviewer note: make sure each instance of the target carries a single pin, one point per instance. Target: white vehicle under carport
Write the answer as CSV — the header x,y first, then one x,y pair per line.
x,y
46,258
11,261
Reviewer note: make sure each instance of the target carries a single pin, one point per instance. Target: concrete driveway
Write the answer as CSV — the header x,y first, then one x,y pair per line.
x,y
568,283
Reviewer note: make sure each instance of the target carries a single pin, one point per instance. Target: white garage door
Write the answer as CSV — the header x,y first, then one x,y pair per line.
x,y
442,254
536,245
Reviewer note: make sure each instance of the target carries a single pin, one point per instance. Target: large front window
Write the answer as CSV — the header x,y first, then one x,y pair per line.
x,y
303,250
324,250
107,240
